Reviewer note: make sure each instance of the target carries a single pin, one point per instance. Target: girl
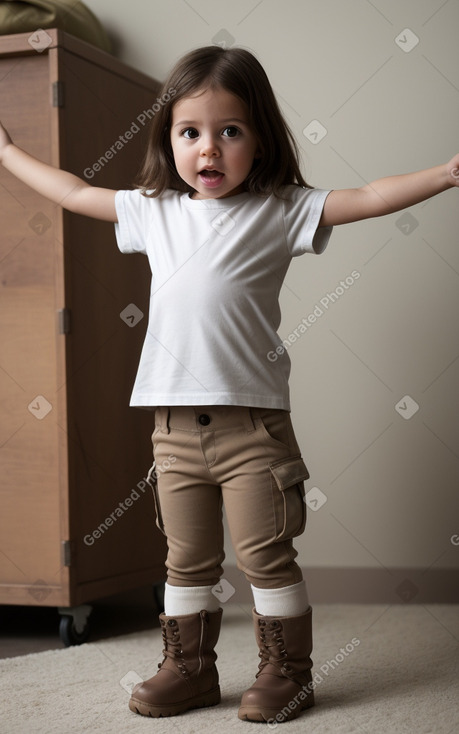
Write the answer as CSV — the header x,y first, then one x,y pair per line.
x,y
220,209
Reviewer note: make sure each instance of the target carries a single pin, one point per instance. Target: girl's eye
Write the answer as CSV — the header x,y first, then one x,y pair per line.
x,y
190,133
231,131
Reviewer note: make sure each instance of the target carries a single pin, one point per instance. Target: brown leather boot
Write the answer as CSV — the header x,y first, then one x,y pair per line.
x,y
284,682
187,678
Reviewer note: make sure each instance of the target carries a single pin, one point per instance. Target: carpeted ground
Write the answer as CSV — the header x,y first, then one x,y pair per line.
x,y
378,670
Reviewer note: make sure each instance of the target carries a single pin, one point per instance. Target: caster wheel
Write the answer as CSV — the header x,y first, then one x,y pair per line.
x,y
74,626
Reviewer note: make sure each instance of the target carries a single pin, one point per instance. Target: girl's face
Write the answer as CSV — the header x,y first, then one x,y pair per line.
x,y
213,144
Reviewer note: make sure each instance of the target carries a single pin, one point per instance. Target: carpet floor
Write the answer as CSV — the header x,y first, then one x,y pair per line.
x,y
378,669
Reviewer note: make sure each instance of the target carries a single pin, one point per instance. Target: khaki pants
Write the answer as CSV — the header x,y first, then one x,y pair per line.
x,y
246,459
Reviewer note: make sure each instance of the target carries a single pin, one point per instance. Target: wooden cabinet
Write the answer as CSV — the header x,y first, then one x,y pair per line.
x,y
77,519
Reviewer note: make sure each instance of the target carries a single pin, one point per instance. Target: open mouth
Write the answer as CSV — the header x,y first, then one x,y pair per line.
x,y
211,177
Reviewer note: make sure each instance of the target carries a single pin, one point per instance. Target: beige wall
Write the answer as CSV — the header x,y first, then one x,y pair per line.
x,y
391,483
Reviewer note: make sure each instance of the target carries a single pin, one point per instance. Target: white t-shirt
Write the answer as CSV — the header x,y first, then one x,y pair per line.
x,y
217,269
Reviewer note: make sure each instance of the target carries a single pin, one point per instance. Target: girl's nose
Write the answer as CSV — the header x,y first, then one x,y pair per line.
x,y
209,146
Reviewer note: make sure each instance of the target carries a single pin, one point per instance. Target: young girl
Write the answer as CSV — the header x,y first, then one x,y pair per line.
x,y
220,209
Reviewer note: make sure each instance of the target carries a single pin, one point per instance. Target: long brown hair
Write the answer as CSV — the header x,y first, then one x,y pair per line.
x,y
237,71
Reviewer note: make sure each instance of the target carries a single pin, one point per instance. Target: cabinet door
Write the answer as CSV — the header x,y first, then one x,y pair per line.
x,y
31,570
112,518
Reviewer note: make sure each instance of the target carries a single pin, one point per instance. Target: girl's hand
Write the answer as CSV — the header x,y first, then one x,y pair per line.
x,y
4,140
453,170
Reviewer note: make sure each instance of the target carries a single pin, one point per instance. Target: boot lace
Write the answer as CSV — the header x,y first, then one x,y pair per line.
x,y
172,645
272,647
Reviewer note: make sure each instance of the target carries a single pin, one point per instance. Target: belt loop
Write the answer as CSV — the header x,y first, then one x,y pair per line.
x,y
162,418
158,417
251,420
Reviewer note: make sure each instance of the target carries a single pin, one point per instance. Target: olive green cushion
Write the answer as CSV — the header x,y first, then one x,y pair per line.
x,y
22,16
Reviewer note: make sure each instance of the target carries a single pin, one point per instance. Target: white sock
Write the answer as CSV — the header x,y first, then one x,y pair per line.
x,y
189,600
289,601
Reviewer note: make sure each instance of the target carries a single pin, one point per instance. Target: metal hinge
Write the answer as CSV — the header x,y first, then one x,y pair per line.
x,y
64,320
58,94
66,553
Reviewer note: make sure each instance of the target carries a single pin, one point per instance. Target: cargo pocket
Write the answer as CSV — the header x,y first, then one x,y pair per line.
x,y
288,477
152,481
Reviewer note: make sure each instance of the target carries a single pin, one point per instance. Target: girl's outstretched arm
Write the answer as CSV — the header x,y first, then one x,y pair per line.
x,y
62,187
388,195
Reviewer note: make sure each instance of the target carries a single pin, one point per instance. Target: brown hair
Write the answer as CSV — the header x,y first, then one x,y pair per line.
x,y
237,71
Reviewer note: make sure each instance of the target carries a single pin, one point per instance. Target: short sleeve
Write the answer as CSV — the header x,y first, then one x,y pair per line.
x,y
134,215
302,213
